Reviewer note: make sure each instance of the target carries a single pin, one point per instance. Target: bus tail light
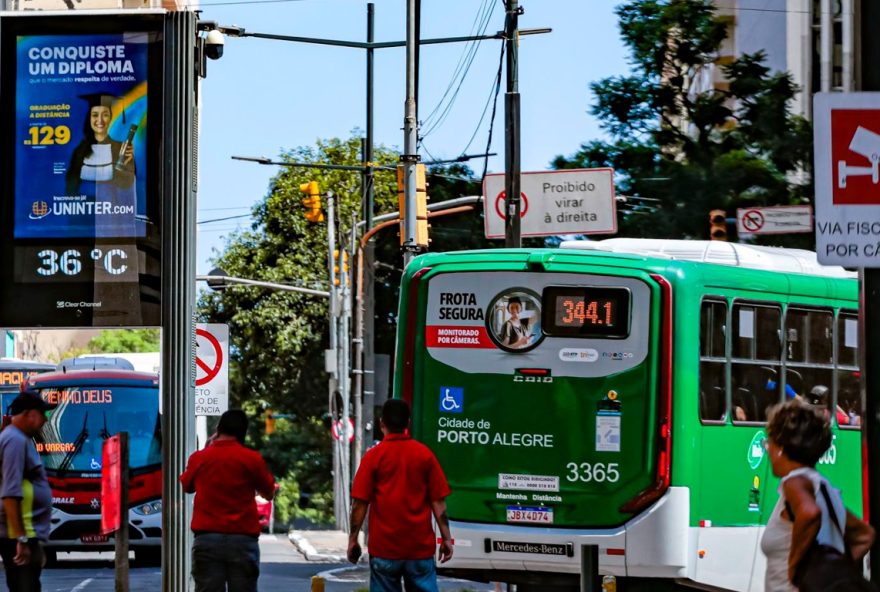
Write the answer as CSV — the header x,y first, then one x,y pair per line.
x,y
409,358
664,408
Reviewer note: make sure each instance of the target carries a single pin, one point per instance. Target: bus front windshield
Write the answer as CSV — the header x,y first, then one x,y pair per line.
x,y
72,439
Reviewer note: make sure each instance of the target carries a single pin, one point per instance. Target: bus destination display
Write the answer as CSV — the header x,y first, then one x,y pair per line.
x,y
586,311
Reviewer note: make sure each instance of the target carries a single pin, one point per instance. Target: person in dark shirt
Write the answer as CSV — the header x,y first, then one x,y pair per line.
x,y
402,484
225,476
27,497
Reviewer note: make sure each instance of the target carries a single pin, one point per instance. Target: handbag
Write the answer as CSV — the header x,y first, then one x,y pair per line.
x,y
825,569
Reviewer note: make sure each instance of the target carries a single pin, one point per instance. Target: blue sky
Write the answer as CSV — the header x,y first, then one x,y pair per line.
x,y
265,96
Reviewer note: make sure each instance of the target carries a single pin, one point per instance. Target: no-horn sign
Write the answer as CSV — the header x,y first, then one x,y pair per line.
x,y
212,369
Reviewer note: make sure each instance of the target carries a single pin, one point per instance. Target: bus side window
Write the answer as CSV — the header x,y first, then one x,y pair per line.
x,y
809,356
713,320
849,399
756,359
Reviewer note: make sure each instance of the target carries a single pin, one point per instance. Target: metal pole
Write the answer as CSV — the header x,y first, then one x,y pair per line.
x,y
345,381
409,158
121,558
368,147
333,355
869,310
512,237
178,293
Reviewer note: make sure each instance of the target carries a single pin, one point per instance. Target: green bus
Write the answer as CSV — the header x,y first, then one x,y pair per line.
x,y
609,399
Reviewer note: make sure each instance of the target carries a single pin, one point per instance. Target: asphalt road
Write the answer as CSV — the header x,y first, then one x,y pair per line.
x,y
282,568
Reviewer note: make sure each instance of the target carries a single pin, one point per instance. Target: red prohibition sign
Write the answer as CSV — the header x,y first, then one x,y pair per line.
x,y
753,220
210,372
500,198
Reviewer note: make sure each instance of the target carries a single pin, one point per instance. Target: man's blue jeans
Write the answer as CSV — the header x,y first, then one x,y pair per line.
x,y
419,575
221,559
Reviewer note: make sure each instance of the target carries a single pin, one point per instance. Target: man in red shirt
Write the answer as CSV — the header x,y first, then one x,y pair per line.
x,y
402,484
224,476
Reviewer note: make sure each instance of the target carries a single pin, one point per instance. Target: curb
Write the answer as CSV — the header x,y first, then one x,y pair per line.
x,y
303,545
331,574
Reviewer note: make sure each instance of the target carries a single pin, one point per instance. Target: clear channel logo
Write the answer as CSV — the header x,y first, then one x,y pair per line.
x,y
451,399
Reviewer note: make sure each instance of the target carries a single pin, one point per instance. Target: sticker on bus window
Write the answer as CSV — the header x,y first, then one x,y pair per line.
x,y
528,514
608,431
851,333
747,323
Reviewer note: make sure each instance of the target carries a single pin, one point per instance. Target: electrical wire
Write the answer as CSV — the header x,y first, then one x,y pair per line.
x,y
494,109
441,118
461,60
493,91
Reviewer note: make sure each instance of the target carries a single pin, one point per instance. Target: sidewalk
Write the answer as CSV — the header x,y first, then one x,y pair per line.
x,y
321,545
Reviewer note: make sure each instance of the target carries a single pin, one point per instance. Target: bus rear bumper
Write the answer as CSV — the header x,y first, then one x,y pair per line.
x,y
653,544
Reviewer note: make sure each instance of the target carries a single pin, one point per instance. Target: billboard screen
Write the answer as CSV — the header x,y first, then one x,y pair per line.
x,y
81,104
80,125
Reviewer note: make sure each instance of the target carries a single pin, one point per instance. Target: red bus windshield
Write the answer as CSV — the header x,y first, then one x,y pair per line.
x,y
72,439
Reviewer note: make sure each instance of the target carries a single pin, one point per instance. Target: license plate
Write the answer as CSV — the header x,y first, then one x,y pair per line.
x,y
94,538
530,515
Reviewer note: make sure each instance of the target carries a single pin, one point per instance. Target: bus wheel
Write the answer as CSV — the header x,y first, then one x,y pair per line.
x,y
51,557
149,557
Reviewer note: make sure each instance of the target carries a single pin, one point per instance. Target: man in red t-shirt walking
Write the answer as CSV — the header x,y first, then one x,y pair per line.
x,y
224,476
402,484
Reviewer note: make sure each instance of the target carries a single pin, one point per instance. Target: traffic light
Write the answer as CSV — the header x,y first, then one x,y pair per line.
x,y
421,237
270,421
312,201
718,225
336,270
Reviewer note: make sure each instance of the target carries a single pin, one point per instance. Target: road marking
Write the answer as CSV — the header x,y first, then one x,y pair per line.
x,y
82,585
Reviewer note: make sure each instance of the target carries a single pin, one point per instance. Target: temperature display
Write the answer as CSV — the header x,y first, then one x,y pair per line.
x,y
586,311
110,263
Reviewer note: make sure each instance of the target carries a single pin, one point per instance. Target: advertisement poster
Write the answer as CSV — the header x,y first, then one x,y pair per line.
x,y
81,136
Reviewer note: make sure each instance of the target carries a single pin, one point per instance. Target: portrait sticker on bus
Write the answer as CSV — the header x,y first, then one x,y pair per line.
x,y
532,515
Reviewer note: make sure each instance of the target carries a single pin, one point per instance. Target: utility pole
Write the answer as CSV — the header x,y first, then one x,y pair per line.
x,y
363,360
332,357
513,206
409,158
869,308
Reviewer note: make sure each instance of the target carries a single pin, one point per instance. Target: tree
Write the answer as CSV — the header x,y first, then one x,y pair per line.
x,y
278,338
678,139
125,341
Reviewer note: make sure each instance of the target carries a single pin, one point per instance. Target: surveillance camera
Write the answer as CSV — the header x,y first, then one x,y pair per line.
x,y
214,41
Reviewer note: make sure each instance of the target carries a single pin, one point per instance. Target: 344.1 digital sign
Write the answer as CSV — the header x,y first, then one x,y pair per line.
x,y
80,205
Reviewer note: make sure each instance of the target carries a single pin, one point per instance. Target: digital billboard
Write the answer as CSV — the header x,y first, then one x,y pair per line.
x,y
81,104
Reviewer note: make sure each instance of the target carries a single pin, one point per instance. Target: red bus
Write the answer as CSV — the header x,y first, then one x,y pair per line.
x,y
92,406
13,373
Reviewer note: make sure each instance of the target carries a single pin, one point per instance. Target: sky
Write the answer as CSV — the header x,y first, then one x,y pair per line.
x,y
265,96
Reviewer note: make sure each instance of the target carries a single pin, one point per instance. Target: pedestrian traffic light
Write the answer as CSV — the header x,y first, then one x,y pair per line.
x,y
270,421
718,225
421,237
312,201
336,268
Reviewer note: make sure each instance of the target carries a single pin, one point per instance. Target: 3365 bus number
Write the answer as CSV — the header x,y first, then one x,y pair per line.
x,y
592,472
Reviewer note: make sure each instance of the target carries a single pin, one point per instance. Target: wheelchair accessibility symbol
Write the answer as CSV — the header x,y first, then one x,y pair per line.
x,y
451,399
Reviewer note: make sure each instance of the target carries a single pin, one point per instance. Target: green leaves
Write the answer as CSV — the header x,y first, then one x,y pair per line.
x,y
691,131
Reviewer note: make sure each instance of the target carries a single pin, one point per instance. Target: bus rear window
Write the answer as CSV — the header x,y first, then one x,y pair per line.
x,y
586,311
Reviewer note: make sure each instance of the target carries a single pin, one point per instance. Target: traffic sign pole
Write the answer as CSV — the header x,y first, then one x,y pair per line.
x,y
869,313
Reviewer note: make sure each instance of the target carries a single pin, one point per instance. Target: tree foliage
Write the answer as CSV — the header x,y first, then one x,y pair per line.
x,y
678,138
278,338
